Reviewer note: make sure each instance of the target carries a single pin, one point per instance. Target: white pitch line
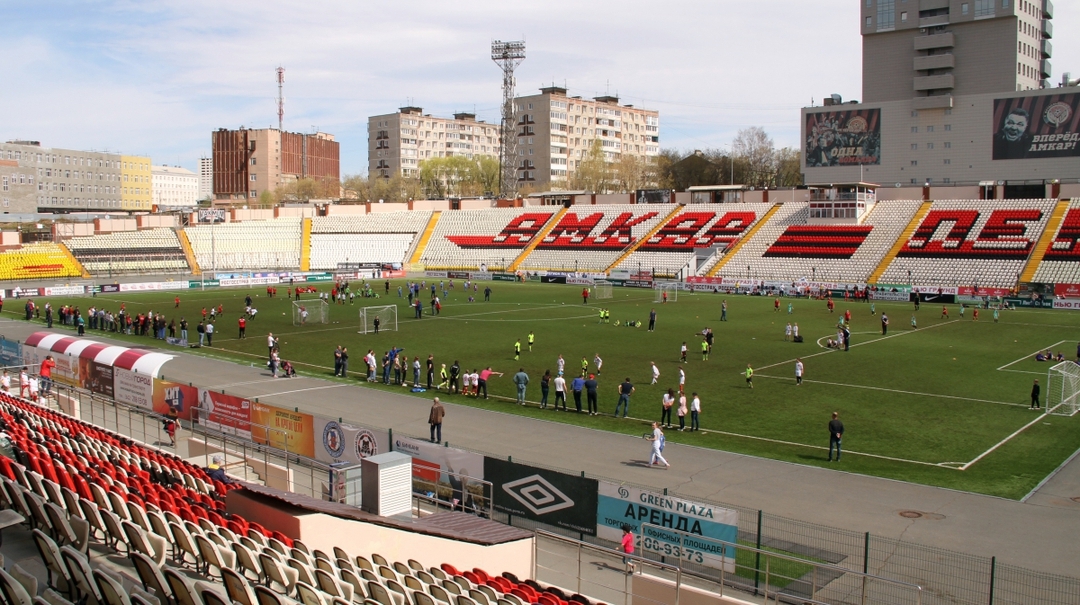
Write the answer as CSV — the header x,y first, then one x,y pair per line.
x,y
1027,357
331,386
860,386
866,342
1003,441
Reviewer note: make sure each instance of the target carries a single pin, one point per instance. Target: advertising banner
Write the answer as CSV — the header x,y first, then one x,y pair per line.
x,y
843,138
503,277
891,296
65,291
174,396
96,377
1067,290
134,389
1072,304
438,468
653,196
1039,303
457,274
1046,126
283,428
225,413
620,504
10,352
553,279
341,442
580,281
211,215
558,499
972,291
437,274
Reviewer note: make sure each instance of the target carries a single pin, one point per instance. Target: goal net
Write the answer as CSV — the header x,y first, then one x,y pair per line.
x,y
1063,389
667,291
386,315
310,312
601,289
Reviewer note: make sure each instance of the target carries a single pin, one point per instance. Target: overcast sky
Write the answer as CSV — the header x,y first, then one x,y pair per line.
x,y
156,77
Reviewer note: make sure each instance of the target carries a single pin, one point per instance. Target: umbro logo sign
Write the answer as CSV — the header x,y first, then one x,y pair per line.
x,y
538,495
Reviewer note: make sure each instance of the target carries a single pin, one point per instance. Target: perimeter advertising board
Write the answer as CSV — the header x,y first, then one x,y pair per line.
x,y
342,442
843,138
174,397
558,499
445,470
620,504
133,388
225,413
1046,126
283,429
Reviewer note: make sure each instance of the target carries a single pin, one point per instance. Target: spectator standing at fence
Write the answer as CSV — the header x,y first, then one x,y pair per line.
x,y
626,389
24,383
430,371
5,382
46,375
482,381
435,419
695,411
210,334
590,394
836,433
627,547
416,371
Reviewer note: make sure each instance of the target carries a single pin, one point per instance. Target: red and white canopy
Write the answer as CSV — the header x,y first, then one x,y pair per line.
x,y
134,360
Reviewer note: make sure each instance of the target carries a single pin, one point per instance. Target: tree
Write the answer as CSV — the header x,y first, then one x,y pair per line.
x,y
753,147
788,167
593,173
630,173
302,190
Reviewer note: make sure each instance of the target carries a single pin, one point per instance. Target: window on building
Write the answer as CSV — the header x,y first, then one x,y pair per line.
x,y
948,161
948,127
929,129
914,113
868,18
252,161
948,145
914,146
903,17
253,177
964,8
914,162
929,145
254,193
914,129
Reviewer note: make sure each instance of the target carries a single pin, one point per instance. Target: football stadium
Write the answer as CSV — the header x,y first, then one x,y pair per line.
x,y
540,360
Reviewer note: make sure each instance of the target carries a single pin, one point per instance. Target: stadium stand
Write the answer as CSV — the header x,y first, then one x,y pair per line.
x,y
1060,255
469,239
39,261
672,247
145,251
591,238
787,248
983,243
248,245
371,238
77,486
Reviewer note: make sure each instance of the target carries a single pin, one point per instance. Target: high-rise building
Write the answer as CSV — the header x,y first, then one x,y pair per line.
x,y
174,187
248,162
556,132
954,92
42,179
206,178
933,50
398,142
136,178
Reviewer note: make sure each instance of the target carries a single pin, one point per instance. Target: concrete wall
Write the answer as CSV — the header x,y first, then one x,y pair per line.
x,y
10,238
477,204
149,221
375,207
294,212
72,229
431,205
250,214
324,532
112,225
614,198
346,209
1070,190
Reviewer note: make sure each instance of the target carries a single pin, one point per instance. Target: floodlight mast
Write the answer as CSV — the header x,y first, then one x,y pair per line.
x,y
508,55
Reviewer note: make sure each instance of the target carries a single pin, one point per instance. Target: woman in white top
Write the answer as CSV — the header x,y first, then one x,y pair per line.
x,y
695,410
681,412
657,439
668,403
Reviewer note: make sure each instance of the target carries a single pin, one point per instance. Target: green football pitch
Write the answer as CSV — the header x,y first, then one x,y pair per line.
x,y
945,404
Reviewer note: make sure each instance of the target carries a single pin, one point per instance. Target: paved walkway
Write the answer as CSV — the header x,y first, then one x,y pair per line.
x,y
1039,533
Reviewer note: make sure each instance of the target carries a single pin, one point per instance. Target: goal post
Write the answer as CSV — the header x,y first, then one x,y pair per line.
x,y
601,289
666,291
387,316
1063,389
316,311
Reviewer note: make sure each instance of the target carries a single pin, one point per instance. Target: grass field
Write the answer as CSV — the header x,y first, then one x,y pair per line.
x,y
926,405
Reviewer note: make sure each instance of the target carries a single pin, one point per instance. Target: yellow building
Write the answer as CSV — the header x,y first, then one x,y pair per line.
x,y
136,183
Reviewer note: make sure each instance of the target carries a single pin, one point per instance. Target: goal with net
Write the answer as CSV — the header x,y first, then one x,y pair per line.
x,y
310,312
1063,389
386,316
601,289
666,291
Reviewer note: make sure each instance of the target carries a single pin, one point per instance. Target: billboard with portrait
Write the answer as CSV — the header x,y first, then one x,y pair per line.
x,y
843,138
1046,126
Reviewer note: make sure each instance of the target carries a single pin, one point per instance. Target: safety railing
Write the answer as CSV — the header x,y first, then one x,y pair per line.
x,y
456,493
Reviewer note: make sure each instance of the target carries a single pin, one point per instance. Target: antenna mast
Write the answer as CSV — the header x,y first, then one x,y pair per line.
x,y
280,97
508,55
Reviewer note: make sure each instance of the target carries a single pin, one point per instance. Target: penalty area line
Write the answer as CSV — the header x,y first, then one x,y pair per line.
x,y
887,390
1027,357
1004,441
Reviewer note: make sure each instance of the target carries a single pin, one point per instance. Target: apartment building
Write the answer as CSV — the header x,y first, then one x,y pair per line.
x,y
398,142
136,177
247,162
42,179
954,92
206,178
556,131
174,187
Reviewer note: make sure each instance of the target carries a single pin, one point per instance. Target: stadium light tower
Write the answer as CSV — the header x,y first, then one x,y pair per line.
x,y
508,55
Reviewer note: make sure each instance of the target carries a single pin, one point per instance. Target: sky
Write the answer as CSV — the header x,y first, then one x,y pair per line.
x,y
154,78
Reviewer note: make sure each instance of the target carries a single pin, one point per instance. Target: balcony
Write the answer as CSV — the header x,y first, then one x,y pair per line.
x,y
934,82
946,40
934,21
1047,29
1044,69
1048,9
935,62
1047,49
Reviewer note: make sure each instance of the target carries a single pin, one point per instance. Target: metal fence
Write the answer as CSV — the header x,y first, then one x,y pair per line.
x,y
946,576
